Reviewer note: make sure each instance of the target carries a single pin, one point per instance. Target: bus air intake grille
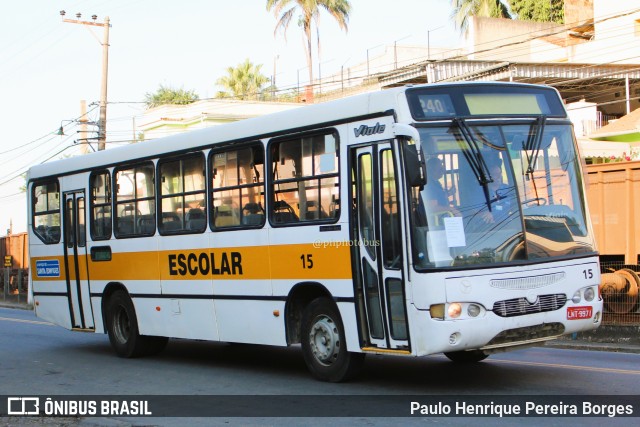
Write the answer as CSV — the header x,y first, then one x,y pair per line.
x,y
523,283
525,334
520,306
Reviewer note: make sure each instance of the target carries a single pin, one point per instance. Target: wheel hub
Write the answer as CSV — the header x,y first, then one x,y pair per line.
x,y
325,340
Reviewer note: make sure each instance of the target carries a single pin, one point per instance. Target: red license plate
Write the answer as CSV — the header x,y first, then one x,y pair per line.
x,y
575,313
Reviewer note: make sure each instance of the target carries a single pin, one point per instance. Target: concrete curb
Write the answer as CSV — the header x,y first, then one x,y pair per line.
x,y
7,304
593,346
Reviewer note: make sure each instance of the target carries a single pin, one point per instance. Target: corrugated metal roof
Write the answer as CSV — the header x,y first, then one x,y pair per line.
x,y
549,73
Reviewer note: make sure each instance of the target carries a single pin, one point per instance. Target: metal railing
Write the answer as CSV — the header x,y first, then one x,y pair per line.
x,y
14,285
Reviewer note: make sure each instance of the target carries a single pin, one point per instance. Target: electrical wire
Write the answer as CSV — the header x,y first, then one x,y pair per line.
x,y
516,44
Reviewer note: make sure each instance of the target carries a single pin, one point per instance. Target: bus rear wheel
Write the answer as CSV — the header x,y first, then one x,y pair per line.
x,y
470,356
324,345
122,328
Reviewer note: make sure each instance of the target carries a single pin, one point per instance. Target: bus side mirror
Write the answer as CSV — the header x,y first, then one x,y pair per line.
x,y
415,168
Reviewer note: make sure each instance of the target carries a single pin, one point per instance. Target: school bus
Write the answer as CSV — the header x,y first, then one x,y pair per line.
x,y
445,218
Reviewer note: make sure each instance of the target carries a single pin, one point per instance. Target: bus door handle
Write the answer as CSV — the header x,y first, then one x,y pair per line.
x,y
101,253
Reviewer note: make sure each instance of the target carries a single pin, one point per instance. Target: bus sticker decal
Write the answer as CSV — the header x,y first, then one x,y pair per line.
x,y
48,268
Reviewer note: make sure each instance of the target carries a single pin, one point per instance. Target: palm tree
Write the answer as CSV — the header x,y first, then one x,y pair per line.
x,y
168,95
535,10
243,81
309,12
463,10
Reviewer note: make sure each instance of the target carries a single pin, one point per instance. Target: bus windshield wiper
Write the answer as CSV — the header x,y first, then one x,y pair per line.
x,y
475,159
534,143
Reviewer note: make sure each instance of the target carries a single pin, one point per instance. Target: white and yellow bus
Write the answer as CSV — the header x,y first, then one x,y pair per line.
x,y
444,218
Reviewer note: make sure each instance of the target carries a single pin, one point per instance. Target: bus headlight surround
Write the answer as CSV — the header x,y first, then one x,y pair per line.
x,y
456,311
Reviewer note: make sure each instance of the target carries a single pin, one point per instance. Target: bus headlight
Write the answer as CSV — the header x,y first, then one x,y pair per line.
x,y
454,310
473,310
577,297
589,294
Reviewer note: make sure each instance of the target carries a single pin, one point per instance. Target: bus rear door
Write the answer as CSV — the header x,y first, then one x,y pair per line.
x,y
75,261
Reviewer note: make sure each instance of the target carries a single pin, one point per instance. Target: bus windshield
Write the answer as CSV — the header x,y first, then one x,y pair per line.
x,y
498,193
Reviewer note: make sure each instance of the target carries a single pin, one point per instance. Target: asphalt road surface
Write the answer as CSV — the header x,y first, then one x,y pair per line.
x,y
37,358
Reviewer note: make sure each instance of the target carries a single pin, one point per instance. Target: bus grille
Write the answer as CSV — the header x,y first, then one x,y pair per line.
x,y
520,306
533,282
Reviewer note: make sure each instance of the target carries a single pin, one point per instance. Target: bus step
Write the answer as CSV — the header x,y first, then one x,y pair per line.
x,y
384,350
83,329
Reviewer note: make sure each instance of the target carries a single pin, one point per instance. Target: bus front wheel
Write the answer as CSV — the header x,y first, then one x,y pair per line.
x,y
122,328
324,345
470,356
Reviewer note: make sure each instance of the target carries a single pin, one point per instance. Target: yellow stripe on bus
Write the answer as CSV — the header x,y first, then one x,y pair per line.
x,y
300,262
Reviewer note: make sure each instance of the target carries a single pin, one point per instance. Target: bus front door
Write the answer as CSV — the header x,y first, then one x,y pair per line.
x,y
75,256
377,252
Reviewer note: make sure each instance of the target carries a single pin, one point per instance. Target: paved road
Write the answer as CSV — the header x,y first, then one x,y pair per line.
x,y
38,358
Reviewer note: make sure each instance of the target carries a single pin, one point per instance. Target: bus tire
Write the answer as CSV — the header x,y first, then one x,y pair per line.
x,y
470,356
324,345
122,328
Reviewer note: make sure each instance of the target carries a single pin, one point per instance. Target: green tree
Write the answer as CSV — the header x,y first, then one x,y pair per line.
x,y
463,10
244,81
168,95
308,14
536,10
23,187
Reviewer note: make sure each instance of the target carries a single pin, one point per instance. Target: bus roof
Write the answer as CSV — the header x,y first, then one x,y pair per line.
x,y
308,115
378,102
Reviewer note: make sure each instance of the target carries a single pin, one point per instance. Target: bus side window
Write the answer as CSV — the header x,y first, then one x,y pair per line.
x,y
135,201
182,185
46,211
304,176
238,187
100,205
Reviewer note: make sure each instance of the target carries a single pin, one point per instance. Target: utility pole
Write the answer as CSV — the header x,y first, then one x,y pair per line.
x,y
102,122
83,127
429,42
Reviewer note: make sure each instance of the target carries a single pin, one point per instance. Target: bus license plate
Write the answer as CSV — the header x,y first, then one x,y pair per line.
x,y
575,313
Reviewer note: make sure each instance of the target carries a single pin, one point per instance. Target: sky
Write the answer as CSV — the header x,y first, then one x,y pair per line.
x,y
48,66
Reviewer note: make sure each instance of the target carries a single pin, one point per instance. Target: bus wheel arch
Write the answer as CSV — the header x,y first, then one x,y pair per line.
x,y
121,323
106,294
300,296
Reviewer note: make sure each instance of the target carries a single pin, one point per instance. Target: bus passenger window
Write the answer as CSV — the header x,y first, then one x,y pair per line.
x,y
135,201
182,195
237,187
100,205
46,212
304,175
